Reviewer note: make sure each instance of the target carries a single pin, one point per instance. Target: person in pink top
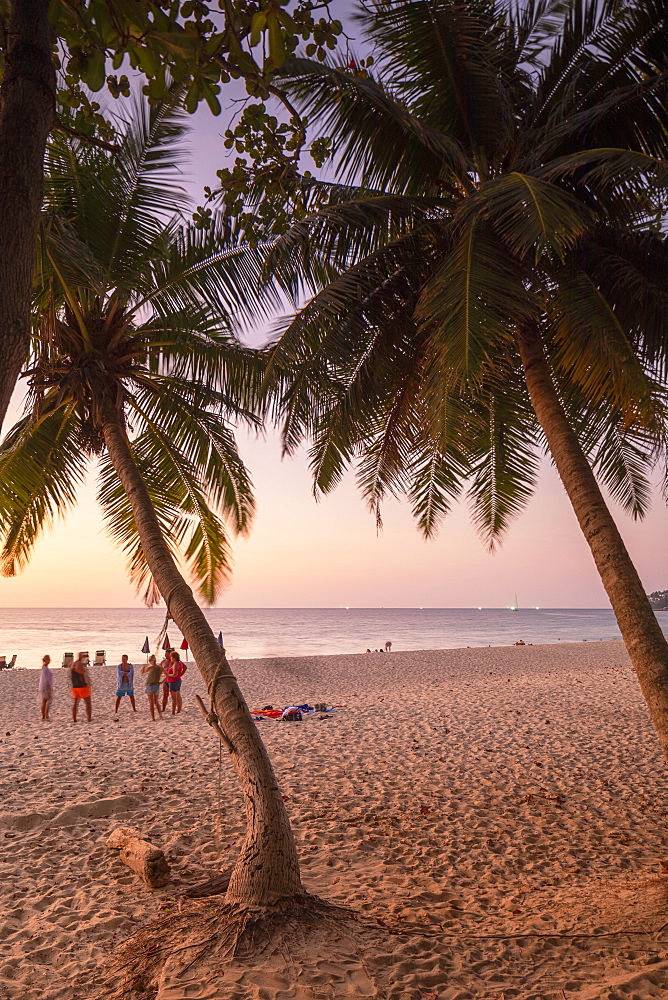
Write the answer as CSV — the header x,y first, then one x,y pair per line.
x,y
173,676
165,686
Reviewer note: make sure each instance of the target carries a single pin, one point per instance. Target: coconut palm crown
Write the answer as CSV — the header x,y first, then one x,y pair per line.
x,y
501,168
130,320
487,276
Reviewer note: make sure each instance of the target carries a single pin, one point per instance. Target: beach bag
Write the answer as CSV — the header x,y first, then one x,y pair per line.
x,y
291,715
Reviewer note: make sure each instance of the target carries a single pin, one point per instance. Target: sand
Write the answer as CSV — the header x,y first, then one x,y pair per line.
x,y
501,811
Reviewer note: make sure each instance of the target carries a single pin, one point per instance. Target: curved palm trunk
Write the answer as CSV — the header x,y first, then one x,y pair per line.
x,y
267,869
640,630
27,114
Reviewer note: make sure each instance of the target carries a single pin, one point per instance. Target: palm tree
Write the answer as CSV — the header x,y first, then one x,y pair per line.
x,y
486,275
129,367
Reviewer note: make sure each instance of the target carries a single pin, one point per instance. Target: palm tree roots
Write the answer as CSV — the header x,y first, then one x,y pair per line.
x,y
215,934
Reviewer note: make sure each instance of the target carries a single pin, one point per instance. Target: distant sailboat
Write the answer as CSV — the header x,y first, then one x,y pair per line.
x,y
514,607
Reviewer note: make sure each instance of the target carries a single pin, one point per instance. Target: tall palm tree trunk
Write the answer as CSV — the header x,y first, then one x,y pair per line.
x,y
642,635
27,114
267,869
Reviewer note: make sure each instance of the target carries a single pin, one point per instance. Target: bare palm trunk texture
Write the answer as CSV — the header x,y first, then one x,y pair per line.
x,y
642,635
27,114
267,869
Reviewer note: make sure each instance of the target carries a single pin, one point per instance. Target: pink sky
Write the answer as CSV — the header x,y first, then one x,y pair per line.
x,y
327,554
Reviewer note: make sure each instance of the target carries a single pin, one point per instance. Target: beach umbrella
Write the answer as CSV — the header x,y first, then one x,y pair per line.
x,y
146,648
166,644
220,639
184,644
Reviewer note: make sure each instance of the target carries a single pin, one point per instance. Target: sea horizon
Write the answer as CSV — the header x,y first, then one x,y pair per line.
x,y
260,632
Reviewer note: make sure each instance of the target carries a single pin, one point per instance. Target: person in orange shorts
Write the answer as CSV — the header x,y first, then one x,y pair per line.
x,y
81,686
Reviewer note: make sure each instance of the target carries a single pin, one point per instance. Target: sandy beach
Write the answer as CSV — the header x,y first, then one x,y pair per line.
x,y
501,811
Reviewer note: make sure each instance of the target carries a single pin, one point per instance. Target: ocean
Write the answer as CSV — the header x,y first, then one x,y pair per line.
x,y
260,632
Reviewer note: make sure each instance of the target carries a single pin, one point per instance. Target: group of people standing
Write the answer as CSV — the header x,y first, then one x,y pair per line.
x,y
167,674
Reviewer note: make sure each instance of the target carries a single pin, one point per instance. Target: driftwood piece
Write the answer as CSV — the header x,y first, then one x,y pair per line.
x,y
214,886
118,837
143,858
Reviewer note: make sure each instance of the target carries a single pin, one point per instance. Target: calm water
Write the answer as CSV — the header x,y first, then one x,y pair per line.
x,y
254,632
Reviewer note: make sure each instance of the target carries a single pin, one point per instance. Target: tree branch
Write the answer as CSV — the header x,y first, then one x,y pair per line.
x,y
214,722
92,140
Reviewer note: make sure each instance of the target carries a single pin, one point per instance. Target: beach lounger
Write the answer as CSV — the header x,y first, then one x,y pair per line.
x,y
100,658
68,658
3,662
11,662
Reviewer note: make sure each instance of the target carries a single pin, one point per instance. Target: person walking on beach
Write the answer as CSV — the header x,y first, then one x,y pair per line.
x,y
388,646
154,673
126,682
175,673
46,686
81,686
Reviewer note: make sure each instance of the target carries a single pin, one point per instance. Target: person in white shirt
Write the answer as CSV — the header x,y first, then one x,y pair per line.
x,y
46,686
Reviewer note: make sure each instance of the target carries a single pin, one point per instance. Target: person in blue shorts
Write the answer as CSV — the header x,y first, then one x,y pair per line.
x,y
153,671
125,682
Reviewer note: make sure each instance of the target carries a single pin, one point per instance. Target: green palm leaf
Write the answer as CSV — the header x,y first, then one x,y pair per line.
x,y
440,461
444,62
530,215
472,302
503,459
383,126
592,350
477,194
133,331
41,466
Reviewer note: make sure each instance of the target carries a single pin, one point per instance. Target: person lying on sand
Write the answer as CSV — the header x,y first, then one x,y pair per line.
x,y
46,686
126,682
154,672
81,685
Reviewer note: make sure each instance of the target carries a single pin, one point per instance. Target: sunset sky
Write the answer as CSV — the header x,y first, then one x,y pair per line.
x,y
327,554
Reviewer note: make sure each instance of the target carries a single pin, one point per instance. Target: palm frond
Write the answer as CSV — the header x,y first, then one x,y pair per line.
x,y
503,456
531,215
41,467
613,84
533,26
600,170
440,462
444,59
200,530
318,248
624,465
201,272
472,302
631,270
186,415
379,143
117,511
592,349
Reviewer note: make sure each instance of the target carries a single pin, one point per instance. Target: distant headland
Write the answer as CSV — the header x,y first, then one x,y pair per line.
x,y
659,600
